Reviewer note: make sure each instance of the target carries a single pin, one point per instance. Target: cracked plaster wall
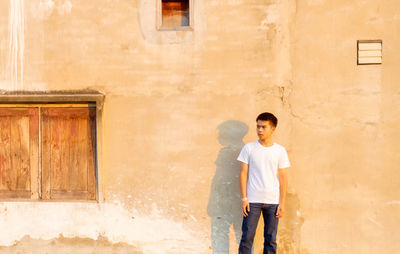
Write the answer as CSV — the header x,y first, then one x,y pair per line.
x,y
179,106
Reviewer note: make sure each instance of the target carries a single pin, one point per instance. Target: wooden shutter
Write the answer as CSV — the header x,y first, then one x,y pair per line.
x,y
68,153
19,152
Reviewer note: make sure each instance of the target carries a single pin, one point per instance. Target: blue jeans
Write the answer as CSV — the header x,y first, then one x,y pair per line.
x,y
249,227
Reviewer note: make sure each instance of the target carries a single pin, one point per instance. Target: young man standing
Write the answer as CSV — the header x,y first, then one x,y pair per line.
x,y
264,190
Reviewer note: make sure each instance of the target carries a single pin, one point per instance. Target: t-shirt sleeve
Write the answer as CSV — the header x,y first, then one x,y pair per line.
x,y
244,155
284,160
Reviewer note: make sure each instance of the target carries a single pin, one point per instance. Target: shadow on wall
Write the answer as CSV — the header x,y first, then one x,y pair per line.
x,y
224,203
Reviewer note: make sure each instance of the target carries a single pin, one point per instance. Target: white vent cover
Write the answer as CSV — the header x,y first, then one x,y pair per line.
x,y
369,51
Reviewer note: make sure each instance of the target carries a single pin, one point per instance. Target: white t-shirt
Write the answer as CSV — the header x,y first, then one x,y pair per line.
x,y
263,182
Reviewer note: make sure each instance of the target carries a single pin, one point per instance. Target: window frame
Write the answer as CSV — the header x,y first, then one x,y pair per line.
x,y
43,99
159,26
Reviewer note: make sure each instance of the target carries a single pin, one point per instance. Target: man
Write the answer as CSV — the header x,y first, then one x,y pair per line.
x,y
264,190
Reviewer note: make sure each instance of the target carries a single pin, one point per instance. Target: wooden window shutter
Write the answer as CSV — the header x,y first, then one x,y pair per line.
x,y
68,153
19,152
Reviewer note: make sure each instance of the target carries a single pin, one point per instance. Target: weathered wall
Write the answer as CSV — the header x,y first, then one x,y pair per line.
x,y
179,106
344,135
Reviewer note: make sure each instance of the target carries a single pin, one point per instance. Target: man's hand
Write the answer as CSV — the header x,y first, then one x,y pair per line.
x,y
245,208
244,169
280,211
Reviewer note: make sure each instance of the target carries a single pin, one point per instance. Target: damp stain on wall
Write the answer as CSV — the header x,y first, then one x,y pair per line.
x,y
290,227
63,244
150,233
16,44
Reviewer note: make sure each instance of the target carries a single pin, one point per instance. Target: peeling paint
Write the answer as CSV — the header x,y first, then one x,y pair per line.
x,y
315,2
272,16
375,222
64,8
65,245
153,232
394,202
43,9
289,230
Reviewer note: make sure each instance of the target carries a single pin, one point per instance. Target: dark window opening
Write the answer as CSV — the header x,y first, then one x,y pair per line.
x,y
175,13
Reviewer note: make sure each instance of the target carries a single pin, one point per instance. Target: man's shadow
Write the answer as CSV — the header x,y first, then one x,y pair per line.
x,y
224,202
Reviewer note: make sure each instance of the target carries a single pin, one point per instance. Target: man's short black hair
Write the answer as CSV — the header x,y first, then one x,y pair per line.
x,y
266,116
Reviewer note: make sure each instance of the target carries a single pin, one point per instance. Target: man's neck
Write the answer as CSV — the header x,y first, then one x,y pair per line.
x,y
266,142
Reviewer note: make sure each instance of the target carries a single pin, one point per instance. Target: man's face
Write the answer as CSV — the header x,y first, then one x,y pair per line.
x,y
264,129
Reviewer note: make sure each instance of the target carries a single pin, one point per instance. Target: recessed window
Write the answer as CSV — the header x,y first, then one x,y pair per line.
x,y
175,15
48,151
369,52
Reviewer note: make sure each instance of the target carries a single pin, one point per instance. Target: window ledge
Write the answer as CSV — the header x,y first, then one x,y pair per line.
x,y
53,97
188,28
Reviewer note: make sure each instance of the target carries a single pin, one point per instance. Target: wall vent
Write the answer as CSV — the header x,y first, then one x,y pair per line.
x,y
369,52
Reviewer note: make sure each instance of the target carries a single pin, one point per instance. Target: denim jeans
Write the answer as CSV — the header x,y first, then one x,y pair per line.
x,y
249,227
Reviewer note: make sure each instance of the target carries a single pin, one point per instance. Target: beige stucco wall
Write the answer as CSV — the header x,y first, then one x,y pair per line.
x,y
345,120
179,106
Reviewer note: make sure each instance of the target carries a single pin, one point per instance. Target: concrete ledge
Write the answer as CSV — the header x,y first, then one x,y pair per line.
x,y
53,97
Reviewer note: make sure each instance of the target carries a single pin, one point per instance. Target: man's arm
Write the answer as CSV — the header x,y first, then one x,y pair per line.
x,y
244,168
283,182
